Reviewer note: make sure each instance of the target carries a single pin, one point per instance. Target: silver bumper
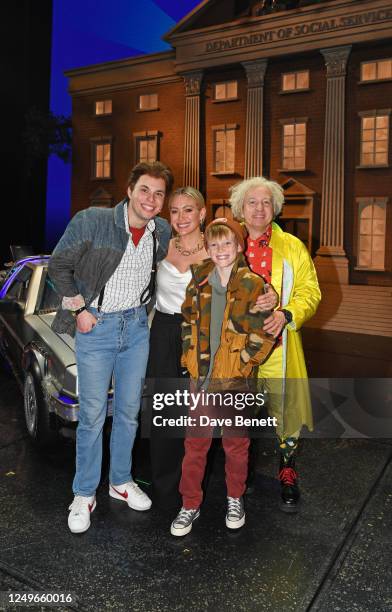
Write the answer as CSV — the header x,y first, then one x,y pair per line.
x,y
70,412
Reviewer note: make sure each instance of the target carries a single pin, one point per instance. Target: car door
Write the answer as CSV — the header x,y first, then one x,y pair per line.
x,y
15,333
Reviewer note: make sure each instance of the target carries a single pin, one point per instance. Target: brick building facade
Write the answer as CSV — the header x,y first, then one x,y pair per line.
x,y
301,94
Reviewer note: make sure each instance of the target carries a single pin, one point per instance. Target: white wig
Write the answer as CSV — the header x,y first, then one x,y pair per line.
x,y
239,191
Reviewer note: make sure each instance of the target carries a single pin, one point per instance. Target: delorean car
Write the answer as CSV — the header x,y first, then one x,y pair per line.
x,y
42,361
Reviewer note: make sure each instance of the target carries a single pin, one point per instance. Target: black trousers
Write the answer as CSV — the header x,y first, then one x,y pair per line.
x,y
166,450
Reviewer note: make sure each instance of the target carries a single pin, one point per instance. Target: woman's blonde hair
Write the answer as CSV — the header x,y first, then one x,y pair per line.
x,y
191,192
239,191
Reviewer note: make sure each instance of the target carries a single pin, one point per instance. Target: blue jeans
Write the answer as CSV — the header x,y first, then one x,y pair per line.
x,y
118,345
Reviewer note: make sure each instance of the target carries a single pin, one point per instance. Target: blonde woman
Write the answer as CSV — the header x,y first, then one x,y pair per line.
x,y
282,260
187,214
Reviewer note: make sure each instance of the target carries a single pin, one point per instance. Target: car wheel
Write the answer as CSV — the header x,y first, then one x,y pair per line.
x,y
37,416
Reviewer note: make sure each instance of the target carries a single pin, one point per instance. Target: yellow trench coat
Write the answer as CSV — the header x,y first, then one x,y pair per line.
x,y
294,278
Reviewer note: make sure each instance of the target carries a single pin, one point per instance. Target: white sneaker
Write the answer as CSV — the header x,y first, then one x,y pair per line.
x,y
235,517
81,509
182,524
132,494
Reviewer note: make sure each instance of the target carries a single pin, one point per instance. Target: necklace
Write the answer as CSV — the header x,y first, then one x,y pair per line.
x,y
188,252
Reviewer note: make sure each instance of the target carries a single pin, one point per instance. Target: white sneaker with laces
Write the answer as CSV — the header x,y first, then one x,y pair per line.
x,y
132,495
81,509
182,524
235,517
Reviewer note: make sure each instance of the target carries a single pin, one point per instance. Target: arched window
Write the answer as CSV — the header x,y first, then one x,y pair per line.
x,y
371,233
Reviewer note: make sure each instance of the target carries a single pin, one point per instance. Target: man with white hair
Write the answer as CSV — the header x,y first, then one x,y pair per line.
x,y
284,261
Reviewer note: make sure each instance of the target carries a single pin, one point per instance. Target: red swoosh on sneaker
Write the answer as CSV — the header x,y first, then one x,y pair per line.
x,y
124,495
90,507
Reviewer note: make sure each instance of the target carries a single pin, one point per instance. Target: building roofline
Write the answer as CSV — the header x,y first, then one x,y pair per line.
x,y
188,18
129,61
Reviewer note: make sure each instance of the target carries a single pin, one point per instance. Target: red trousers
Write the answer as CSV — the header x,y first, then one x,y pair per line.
x,y
194,464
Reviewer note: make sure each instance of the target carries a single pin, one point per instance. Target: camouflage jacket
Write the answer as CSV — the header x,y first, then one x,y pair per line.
x,y
243,343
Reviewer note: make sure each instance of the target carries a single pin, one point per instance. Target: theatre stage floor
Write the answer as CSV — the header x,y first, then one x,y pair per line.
x,y
333,555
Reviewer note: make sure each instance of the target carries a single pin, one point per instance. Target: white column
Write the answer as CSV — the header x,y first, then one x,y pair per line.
x,y
255,72
192,82
331,260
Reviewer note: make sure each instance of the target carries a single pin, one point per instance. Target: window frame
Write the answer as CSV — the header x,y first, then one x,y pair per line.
x,y
374,114
296,89
377,79
225,127
226,99
293,121
150,108
147,135
363,202
94,143
104,114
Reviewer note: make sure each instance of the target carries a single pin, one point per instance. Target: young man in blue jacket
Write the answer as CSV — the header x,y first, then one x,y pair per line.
x,y
103,267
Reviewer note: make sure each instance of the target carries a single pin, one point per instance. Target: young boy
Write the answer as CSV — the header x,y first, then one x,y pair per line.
x,y
222,339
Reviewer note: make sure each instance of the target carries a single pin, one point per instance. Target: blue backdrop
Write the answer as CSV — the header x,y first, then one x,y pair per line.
x,y
89,32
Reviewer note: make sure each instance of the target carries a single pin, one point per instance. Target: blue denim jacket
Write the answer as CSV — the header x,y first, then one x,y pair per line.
x,y
88,253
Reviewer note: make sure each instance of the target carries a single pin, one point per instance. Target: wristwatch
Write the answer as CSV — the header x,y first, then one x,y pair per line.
x,y
287,315
75,313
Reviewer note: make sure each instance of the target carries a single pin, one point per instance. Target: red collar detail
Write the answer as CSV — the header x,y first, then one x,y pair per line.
x,y
137,233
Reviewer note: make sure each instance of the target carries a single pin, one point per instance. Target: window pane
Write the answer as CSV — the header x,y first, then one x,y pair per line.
x,y
230,135
106,170
98,108
367,212
152,150
381,158
367,135
219,166
378,242
368,147
289,141
108,106
300,139
365,227
368,123
99,152
289,151
98,170
381,146
220,136
143,148
382,134
300,128
230,163
220,91
232,89
106,152
148,101
378,259
289,163
365,243
367,159
378,212
303,80
382,121
288,82
384,69
368,71
364,258
299,162
288,129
